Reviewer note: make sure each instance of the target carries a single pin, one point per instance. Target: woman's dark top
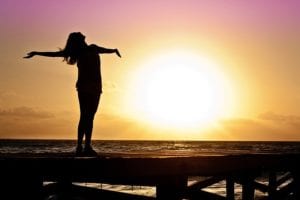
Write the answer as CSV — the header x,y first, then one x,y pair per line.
x,y
89,71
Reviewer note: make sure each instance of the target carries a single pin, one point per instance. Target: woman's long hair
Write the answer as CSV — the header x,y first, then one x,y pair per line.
x,y
74,46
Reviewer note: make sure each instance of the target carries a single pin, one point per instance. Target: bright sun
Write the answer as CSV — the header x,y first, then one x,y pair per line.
x,y
179,90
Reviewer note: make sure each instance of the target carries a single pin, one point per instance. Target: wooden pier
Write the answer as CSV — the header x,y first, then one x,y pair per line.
x,y
22,175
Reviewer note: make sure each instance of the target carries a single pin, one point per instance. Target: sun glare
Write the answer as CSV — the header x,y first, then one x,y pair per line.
x,y
179,90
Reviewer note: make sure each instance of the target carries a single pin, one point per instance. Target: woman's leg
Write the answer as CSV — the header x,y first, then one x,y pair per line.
x,y
93,106
82,121
80,130
88,107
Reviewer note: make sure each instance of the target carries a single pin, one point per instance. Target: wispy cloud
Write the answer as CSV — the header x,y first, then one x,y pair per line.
x,y
7,97
28,122
293,120
266,126
22,112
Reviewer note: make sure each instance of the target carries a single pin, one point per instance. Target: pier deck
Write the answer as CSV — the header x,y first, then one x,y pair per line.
x,y
22,175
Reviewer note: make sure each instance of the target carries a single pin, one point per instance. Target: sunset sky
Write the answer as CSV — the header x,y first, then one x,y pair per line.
x,y
190,69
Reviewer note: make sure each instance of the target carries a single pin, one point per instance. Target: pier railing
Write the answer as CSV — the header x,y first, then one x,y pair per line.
x,y
22,176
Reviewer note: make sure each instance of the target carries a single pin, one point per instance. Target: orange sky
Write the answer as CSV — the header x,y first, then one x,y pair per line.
x,y
254,45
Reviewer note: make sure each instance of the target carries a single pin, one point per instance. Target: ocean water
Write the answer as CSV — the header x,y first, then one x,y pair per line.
x,y
157,148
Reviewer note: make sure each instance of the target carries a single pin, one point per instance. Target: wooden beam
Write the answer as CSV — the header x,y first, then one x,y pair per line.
x,y
200,194
230,188
248,187
284,178
261,187
171,188
75,191
205,183
272,187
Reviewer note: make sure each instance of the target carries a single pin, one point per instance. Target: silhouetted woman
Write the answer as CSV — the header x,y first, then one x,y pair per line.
x,y
89,83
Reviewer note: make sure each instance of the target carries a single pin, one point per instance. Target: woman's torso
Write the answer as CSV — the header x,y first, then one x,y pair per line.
x,y
89,71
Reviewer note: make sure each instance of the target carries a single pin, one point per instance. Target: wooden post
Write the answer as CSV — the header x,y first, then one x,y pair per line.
x,y
272,185
248,187
171,188
229,188
296,189
21,186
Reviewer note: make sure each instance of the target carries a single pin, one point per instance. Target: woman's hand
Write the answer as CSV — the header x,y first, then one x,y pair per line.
x,y
118,53
30,54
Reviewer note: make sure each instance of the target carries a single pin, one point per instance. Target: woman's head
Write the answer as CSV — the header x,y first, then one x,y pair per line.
x,y
75,43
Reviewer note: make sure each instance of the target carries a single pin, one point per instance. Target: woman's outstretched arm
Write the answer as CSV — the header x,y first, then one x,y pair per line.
x,y
48,54
106,50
